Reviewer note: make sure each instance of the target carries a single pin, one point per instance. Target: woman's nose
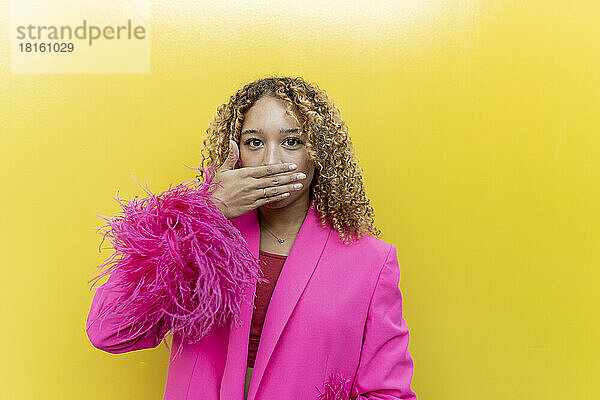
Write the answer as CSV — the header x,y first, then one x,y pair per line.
x,y
273,156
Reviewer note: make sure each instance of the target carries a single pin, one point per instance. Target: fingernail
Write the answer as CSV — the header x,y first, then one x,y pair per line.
x,y
293,166
300,176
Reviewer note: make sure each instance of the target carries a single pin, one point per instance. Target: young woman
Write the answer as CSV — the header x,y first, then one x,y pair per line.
x,y
326,322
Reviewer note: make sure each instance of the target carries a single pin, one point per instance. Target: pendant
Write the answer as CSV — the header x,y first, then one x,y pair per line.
x,y
280,240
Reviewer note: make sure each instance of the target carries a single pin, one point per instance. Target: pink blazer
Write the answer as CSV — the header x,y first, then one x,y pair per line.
x,y
336,309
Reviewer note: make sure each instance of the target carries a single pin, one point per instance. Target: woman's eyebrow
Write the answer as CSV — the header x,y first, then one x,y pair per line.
x,y
260,131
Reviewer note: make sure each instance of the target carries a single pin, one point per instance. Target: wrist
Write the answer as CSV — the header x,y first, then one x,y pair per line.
x,y
220,205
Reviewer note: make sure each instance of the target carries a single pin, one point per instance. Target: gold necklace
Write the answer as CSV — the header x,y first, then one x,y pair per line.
x,y
275,236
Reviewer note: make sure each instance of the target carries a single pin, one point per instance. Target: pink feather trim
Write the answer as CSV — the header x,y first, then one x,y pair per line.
x,y
337,387
177,257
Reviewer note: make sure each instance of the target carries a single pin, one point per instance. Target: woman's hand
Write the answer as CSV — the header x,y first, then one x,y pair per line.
x,y
242,189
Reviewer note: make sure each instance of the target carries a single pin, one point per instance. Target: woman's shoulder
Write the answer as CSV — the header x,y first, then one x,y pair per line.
x,y
367,246
362,260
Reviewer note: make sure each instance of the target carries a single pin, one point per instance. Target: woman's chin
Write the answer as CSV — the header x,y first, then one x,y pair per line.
x,y
278,203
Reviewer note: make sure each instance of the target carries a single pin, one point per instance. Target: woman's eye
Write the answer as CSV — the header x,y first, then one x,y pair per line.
x,y
289,142
247,142
298,141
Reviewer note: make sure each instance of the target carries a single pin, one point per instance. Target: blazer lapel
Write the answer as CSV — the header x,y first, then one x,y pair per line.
x,y
232,384
297,270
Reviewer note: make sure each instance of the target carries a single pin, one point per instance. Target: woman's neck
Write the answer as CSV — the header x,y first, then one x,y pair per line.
x,y
287,219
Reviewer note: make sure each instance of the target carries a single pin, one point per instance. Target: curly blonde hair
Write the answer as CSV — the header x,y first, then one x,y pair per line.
x,y
337,188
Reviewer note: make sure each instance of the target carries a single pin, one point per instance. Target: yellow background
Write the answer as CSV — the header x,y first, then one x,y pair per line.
x,y
476,123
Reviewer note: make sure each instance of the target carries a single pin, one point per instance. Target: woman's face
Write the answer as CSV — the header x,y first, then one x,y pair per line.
x,y
270,136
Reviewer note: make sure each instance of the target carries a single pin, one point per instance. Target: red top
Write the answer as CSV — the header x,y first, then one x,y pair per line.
x,y
271,265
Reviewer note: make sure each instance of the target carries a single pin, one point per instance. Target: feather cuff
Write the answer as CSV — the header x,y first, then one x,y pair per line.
x,y
338,387
178,258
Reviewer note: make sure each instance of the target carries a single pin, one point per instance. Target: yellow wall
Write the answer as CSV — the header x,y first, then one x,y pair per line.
x,y
476,124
